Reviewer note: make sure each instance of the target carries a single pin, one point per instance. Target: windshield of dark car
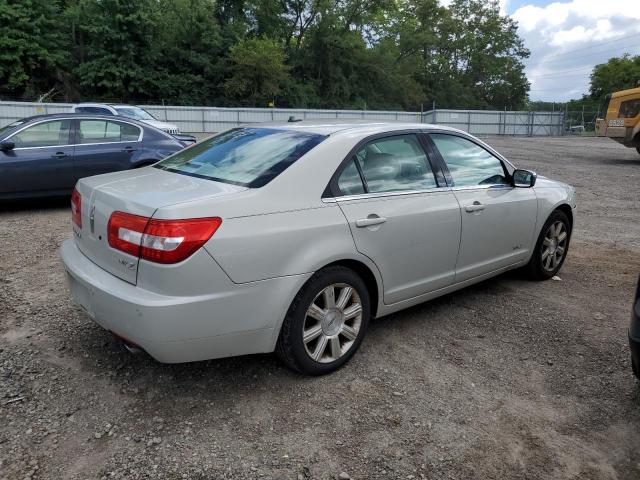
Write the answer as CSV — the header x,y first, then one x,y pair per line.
x,y
249,157
136,113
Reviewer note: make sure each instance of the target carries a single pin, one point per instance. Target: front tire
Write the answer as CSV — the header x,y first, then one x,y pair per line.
x,y
551,248
326,322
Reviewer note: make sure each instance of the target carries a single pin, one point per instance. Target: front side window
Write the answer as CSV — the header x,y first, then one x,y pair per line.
x,y
105,131
249,157
469,163
395,164
45,134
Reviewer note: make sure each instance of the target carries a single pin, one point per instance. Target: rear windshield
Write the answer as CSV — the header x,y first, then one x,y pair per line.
x,y
250,157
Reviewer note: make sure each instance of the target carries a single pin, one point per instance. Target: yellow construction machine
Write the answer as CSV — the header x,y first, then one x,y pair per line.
x,y
622,118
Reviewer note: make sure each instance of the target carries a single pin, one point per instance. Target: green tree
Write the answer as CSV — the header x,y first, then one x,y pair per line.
x,y
114,40
257,71
188,52
619,73
33,47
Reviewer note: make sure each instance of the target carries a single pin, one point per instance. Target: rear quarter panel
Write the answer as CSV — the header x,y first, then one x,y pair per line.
x,y
280,244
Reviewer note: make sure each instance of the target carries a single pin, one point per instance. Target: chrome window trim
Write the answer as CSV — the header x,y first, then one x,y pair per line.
x,y
360,196
76,144
397,193
494,186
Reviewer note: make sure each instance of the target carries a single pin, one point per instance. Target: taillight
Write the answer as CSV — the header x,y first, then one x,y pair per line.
x,y
160,241
124,232
76,208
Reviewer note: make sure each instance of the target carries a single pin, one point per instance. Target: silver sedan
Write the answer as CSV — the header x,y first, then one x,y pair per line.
x,y
291,237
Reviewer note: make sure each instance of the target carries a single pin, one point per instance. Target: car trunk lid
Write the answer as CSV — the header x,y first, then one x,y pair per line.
x,y
139,193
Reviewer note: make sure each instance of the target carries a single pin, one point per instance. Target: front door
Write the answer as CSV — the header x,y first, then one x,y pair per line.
x,y
498,220
399,216
41,162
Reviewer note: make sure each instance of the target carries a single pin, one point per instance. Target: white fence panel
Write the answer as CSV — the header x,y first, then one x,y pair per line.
x,y
214,119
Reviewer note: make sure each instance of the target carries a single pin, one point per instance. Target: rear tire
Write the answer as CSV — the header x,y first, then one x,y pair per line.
x,y
326,322
551,248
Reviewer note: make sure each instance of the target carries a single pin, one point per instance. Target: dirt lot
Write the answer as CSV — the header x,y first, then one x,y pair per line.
x,y
507,379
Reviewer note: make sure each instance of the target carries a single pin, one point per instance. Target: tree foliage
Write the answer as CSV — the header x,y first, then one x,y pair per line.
x,y
619,73
375,54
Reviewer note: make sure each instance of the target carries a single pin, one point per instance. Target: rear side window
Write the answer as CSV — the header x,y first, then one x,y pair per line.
x,y
249,157
390,164
349,181
469,163
104,131
45,134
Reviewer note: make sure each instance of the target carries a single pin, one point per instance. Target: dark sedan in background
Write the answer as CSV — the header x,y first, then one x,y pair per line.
x,y
46,155
634,333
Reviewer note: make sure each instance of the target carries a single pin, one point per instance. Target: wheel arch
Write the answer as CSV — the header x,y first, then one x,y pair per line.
x,y
567,210
367,275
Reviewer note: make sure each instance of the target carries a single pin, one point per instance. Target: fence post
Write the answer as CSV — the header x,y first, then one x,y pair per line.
x,y
531,124
204,128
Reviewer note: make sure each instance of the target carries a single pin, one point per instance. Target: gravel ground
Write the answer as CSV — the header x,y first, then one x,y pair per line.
x,y
506,379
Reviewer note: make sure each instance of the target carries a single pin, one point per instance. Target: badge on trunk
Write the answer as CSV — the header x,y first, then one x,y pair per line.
x,y
92,218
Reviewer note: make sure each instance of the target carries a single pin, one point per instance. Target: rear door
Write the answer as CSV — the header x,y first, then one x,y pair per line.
x,y
400,216
41,162
498,220
104,146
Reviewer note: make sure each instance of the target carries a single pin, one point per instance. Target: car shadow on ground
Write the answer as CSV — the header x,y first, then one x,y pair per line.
x,y
100,353
26,205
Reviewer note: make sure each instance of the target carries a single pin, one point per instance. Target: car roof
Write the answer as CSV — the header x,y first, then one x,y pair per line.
x,y
92,104
53,116
331,127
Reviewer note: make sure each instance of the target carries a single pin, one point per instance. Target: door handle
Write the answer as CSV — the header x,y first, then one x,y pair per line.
x,y
128,149
475,207
59,155
370,221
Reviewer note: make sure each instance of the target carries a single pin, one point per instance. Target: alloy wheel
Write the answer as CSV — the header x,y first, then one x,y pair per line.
x,y
554,245
332,323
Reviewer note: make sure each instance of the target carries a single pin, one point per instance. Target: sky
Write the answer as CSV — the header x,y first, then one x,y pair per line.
x,y
568,38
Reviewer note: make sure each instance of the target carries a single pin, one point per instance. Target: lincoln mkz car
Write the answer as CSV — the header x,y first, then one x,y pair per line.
x,y
46,155
290,238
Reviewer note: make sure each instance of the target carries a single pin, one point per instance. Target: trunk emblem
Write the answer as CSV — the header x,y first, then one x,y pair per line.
x,y
92,218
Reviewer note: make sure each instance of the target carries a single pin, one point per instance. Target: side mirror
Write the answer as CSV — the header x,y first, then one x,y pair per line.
x,y
7,145
524,178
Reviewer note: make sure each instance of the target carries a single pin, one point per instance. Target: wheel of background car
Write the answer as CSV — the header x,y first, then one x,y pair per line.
x,y
552,247
326,322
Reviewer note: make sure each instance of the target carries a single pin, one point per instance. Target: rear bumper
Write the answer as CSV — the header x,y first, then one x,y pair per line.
x,y
175,329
